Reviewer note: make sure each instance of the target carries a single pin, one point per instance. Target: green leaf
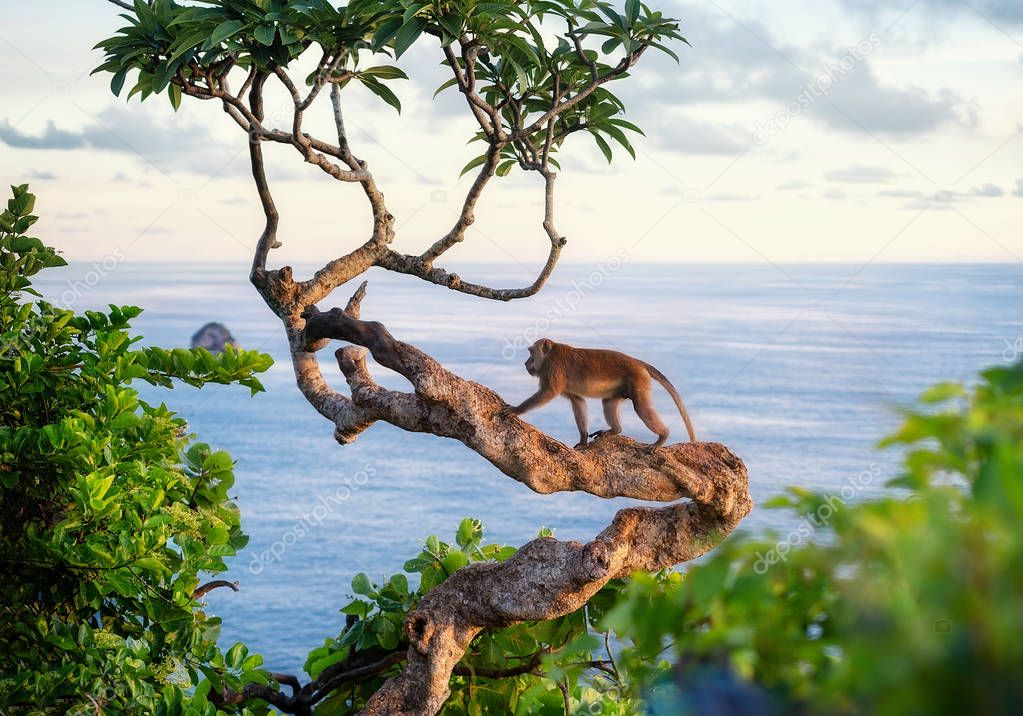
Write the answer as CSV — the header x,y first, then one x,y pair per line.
x,y
386,32
469,533
382,91
450,83
386,632
223,31
174,93
317,667
478,161
117,81
605,149
632,11
943,392
265,34
408,34
385,72
454,560
361,584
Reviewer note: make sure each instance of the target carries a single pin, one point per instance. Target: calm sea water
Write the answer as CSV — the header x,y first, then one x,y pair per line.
x,y
798,368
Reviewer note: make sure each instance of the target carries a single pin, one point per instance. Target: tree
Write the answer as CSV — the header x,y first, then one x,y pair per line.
x,y
109,511
533,74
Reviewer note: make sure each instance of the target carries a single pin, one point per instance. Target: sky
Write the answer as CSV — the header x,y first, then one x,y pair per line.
x,y
803,131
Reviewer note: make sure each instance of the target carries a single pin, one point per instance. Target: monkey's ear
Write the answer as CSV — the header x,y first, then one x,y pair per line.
x,y
546,344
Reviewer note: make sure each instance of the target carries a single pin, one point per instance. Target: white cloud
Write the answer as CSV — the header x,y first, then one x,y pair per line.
x,y
1009,12
793,185
738,63
987,190
680,133
162,141
861,174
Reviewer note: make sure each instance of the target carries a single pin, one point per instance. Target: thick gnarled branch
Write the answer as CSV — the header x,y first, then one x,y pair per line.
x,y
547,579
450,406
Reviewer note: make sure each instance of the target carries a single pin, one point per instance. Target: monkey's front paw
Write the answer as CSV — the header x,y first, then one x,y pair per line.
x,y
506,412
582,444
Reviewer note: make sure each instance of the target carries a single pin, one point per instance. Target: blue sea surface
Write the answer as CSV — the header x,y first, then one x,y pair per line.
x,y
799,369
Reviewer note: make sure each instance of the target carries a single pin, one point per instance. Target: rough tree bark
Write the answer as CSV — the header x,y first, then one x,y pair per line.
x,y
547,578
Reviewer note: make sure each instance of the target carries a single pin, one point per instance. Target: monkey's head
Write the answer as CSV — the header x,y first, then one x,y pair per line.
x,y
537,355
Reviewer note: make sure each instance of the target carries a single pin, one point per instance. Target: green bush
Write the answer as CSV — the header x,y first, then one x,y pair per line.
x,y
907,604
109,513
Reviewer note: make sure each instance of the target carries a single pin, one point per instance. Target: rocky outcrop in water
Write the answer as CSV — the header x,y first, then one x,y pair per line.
x,y
214,337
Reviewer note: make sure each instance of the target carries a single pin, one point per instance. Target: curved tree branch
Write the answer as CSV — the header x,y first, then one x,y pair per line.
x,y
466,217
547,579
446,405
205,589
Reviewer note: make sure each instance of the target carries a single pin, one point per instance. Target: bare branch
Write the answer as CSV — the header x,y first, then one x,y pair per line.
x,y
466,218
486,115
268,239
417,266
249,78
288,84
289,680
422,266
325,73
210,586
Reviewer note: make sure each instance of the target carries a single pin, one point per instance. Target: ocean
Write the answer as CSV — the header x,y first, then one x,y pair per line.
x,y
799,369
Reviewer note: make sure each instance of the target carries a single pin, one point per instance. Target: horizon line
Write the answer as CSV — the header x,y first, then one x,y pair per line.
x,y
587,262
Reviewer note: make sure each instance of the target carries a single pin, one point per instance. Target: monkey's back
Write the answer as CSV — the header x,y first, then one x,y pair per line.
x,y
601,373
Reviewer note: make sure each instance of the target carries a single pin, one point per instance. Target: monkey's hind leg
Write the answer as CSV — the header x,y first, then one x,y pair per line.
x,y
644,405
611,415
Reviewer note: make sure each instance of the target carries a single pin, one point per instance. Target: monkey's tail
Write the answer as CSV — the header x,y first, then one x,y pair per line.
x,y
660,378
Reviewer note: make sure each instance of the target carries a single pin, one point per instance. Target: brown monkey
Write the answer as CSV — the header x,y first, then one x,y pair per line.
x,y
579,373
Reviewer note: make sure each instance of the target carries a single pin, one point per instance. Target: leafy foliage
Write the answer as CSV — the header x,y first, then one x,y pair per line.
x,y
904,604
109,513
527,56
